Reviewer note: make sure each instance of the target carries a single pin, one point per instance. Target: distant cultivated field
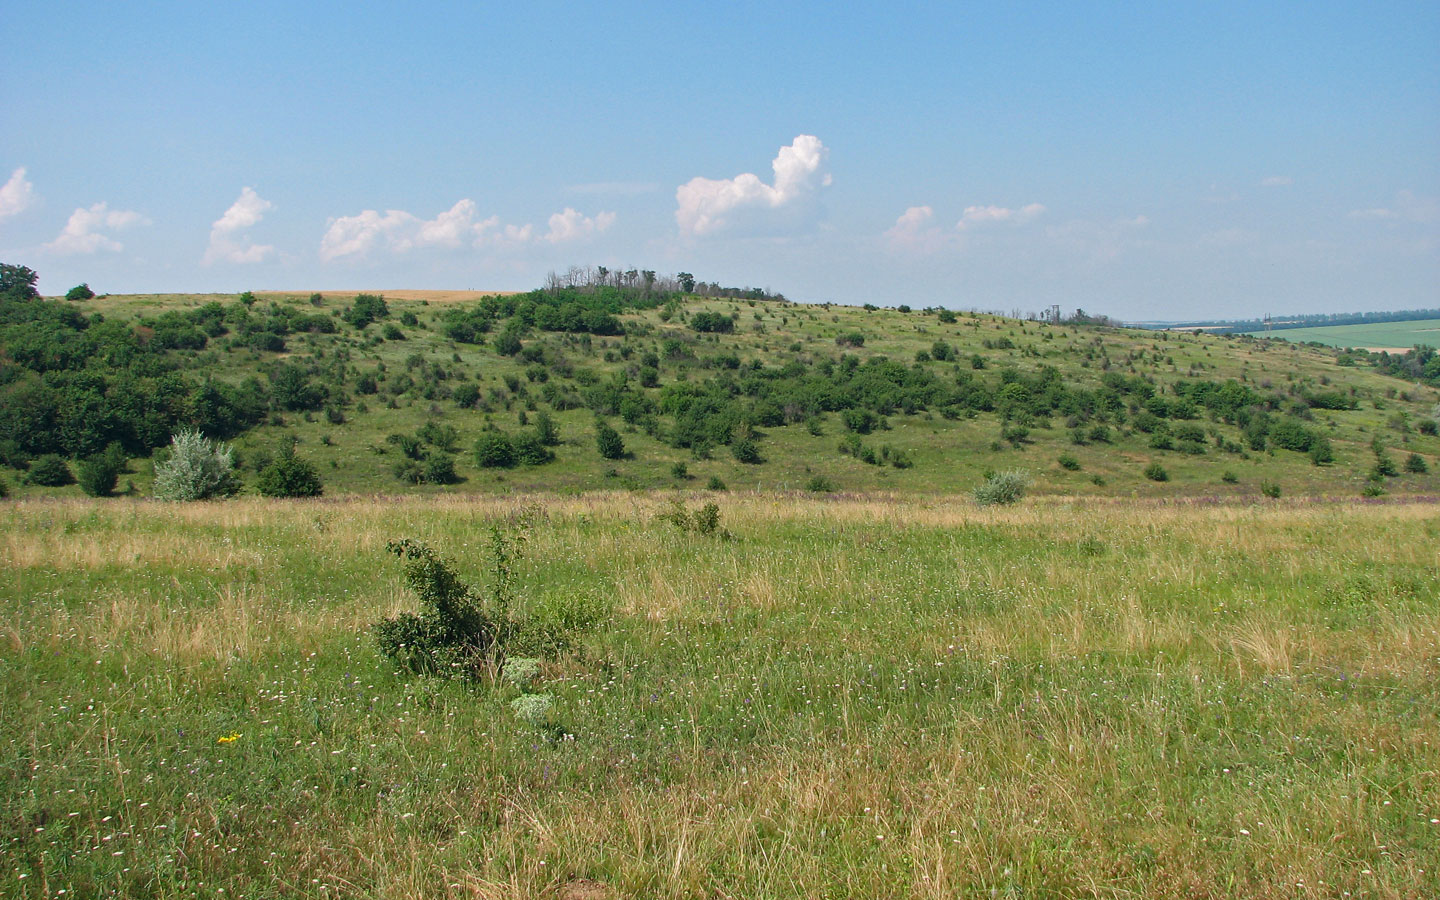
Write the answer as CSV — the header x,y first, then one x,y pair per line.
x,y
872,698
1381,336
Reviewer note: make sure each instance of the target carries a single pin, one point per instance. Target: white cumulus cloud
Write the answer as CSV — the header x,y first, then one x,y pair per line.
x,y
85,232
17,195
228,243
573,226
914,231
706,205
397,231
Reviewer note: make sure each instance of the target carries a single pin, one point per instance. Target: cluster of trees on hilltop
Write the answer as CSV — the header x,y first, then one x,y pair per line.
x,y
645,283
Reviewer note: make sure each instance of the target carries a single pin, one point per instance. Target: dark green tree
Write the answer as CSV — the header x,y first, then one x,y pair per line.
x,y
289,476
608,441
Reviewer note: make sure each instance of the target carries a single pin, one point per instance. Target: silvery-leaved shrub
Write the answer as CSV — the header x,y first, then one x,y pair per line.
x,y
197,469
1001,488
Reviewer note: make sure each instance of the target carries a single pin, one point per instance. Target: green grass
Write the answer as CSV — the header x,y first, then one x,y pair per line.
x,y
1392,335
849,697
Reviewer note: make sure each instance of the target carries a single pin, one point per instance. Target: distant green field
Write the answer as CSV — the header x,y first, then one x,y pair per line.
x,y
1403,335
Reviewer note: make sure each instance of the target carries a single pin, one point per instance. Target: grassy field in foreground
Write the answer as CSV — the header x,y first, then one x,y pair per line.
x,y
852,697
1394,335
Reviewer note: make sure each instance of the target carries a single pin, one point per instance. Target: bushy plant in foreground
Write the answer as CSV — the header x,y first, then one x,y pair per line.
x,y
1001,488
197,469
454,633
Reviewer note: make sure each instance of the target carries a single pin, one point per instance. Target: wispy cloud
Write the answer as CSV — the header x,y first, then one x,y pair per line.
x,y
17,195
1408,207
708,206
85,232
1277,181
228,243
979,216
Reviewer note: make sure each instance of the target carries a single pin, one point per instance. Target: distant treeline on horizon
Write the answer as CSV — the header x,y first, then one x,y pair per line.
x,y
1313,320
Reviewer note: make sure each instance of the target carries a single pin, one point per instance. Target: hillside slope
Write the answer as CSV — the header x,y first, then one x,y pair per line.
x,y
755,394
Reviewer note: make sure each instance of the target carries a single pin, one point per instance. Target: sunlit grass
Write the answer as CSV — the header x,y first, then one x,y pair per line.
x,y
851,697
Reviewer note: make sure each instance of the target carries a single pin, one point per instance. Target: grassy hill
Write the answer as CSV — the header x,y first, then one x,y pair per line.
x,y
829,398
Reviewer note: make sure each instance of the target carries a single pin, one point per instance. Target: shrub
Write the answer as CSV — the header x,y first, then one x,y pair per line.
x,y
1001,488
1428,426
608,442
746,450
495,450
715,484
80,292
439,468
1069,462
1229,477
819,484
1156,472
456,632
507,343
850,339
197,469
680,471
531,451
50,471
4,489
1415,463
545,430
1270,489
705,520
99,473
712,322
289,476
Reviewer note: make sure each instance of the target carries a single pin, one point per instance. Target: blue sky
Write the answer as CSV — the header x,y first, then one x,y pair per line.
x,y
1149,161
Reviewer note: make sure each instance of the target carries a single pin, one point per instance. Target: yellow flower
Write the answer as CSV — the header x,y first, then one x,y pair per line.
x,y
229,738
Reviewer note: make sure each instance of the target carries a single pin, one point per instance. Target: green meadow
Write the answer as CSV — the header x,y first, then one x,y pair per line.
x,y
1391,335
879,696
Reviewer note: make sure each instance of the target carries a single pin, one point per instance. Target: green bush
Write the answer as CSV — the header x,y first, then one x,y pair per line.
x,y
705,520
1001,488
715,484
608,441
4,489
80,292
1428,426
1270,489
455,633
289,476
50,470
495,450
746,450
98,474
1229,477
1156,472
197,469
1415,463
819,484
531,451
1069,462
